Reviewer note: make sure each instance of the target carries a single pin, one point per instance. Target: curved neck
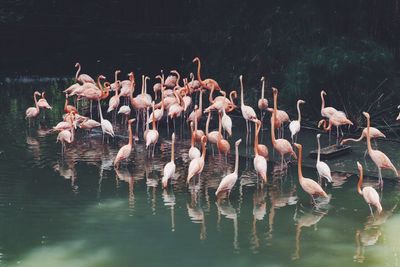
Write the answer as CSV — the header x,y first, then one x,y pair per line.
x,y
130,133
231,94
178,78
99,83
198,71
219,125
369,136
105,92
319,150
323,101
298,111
262,89
300,158
203,155
360,181
210,97
36,103
66,103
353,139
77,72
236,158
208,121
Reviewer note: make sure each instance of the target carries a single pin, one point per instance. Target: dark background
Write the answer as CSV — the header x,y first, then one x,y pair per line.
x,y
348,48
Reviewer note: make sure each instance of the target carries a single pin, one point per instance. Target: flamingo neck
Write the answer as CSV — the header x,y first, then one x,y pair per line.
x,y
236,159
154,120
219,125
115,77
298,111
173,150
257,129
147,119
300,158
262,89
192,140
198,71
77,72
203,153
162,97
360,181
208,122
130,133
353,139
241,93
178,78
231,96
369,136
319,150
99,83
323,101
142,84
36,102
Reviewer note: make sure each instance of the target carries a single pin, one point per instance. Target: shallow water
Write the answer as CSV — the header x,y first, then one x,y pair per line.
x,y
76,210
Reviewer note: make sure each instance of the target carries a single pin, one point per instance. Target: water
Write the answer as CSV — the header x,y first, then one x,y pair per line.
x,y
77,210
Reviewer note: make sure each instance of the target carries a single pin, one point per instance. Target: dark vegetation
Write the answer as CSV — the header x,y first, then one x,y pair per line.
x,y
350,48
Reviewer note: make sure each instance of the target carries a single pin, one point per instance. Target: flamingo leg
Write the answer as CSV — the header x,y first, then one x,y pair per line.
x,y
365,153
380,178
370,209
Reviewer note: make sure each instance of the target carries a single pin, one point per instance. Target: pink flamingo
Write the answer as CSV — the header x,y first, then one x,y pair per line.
x,y
66,136
337,119
310,186
262,150
326,112
229,180
208,83
262,102
260,163
196,165
379,158
127,87
194,152
199,111
226,122
117,83
373,132
33,112
281,145
248,112
125,151
82,78
212,137
89,124
223,145
69,108
152,135
369,193
169,169
42,103
295,125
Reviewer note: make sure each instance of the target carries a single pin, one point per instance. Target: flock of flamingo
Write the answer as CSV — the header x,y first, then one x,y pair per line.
x,y
184,102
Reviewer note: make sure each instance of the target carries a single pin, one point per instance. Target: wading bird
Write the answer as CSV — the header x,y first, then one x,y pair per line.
x,y
82,78
33,112
295,125
369,194
125,151
260,163
248,112
196,165
262,102
169,169
322,168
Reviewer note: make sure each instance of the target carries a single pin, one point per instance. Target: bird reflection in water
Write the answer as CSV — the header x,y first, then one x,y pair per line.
x,y
67,170
196,214
226,209
169,201
305,218
259,212
369,236
125,175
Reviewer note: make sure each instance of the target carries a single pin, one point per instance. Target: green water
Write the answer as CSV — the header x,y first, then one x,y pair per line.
x,y
76,210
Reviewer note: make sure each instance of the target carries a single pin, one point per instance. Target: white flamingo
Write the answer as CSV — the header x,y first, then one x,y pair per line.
x,y
106,125
322,168
248,112
295,125
169,169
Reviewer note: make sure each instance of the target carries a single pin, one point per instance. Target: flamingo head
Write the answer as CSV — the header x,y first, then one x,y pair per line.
x,y
102,77
274,90
117,71
318,136
323,92
237,143
204,139
302,101
43,94
320,123
37,93
241,77
131,121
366,115
262,78
298,146
196,59
77,65
107,84
191,75
359,166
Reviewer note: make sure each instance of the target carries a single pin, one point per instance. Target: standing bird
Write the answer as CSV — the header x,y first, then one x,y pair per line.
x,y
248,112
124,110
295,125
369,193
69,108
223,145
125,151
152,135
337,119
208,83
310,186
33,112
169,169
117,83
42,103
373,132
89,124
212,137
194,152
379,158
260,163
281,145
106,125
261,149
326,112
262,102
196,165
226,122
229,180
66,136
82,78
322,168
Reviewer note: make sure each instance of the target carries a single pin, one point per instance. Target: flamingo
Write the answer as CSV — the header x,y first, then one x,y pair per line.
x,y
248,112
194,152
198,134
337,119
379,158
82,78
106,125
196,165
198,111
281,145
261,149
212,137
125,151
322,168
295,125
92,92
260,163
176,109
152,135
33,112
369,193
69,108
125,110
310,186
114,100
42,102
373,132
66,136
72,88
89,124
326,112
194,85
159,112
127,87
226,122
223,145
229,180
221,102
117,83
262,102
208,83
169,168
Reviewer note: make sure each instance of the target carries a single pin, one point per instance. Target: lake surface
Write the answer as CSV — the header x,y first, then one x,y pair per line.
x,y
76,210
